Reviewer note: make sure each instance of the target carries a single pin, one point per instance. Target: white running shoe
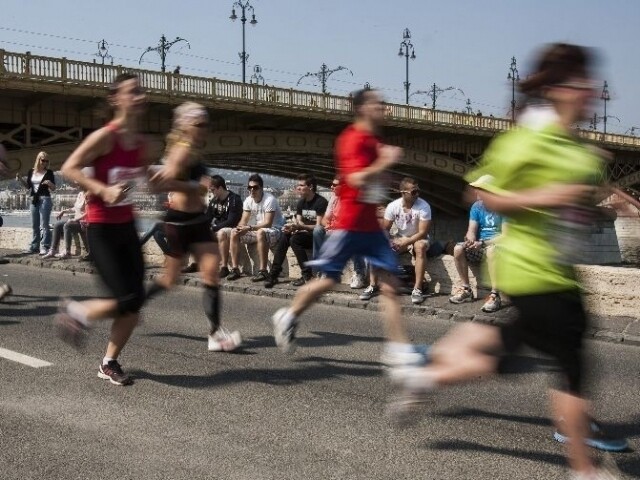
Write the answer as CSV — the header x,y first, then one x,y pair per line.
x,y
416,357
224,341
4,291
357,281
284,332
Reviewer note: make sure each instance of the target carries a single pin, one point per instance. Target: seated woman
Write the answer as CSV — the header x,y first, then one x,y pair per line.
x,y
68,228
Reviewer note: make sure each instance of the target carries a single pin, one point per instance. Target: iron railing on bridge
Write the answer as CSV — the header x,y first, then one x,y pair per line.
x,y
72,72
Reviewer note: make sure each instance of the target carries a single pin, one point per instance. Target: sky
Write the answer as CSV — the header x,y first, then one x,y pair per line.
x,y
464,44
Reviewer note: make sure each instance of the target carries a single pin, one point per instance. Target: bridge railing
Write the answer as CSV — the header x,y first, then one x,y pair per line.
x,y
72,72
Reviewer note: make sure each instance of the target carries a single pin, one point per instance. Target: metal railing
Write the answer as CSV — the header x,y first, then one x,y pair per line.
x,y
76,73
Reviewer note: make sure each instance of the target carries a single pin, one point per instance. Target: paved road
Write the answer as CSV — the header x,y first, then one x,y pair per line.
x,y
259,415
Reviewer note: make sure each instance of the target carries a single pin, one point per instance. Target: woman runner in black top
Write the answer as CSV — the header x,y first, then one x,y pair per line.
x,y
186,224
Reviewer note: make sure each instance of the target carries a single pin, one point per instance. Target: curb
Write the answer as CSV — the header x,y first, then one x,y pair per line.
x,y
613,329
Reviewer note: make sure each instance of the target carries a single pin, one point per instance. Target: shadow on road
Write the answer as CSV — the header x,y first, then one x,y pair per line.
x,y
461,445
283,377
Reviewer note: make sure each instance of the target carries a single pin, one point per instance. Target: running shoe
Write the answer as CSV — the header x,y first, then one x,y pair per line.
x,y
234,275
369,292
608,470
4,291
404,407
461,295
49,254
284,332
113,372
357,281
261,276
598,438
62,256
43,251
417,297
224,272
224,341
493,303
417,356
69,329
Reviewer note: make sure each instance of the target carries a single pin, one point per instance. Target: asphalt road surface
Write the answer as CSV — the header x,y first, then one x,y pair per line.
x,y
258,414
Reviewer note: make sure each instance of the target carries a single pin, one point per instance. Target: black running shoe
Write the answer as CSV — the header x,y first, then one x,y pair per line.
x,y
113,372
224,272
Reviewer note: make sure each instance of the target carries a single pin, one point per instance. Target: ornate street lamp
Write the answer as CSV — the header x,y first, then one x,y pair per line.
x,y
162,49
257,75
407,50
605,98
103,51
514,76
323,75
434,92
244,6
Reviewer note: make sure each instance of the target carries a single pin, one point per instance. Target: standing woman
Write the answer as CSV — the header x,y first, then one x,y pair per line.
x,y
40,182
116,154
187,226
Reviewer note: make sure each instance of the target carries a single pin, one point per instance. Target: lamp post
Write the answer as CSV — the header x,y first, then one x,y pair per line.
x,y
103,51
244,6
407,50
605,98
323,75
434,92
162,49
257,75
468,107
514,76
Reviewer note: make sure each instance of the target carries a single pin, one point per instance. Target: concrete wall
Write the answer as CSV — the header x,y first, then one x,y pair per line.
x,y
609,291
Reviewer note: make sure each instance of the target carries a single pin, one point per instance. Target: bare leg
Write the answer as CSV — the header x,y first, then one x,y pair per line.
x,y
223,244
491,265
573,410
420,249
308,293
395,326
462,266
263,249
121,329
234,248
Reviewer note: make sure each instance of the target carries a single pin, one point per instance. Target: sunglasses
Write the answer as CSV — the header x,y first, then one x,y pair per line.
x,y
253,187
201,125
335,185
410,192
44,161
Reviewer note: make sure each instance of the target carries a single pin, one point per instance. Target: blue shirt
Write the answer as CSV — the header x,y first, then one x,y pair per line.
x,y
489,223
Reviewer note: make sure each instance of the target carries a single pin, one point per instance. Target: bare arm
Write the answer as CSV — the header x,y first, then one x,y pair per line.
x,y
166,178
546,197
97,144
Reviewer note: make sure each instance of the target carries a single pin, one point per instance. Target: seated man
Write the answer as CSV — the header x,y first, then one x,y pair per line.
x,y
412,218
225,211
479,242
299,235
260,223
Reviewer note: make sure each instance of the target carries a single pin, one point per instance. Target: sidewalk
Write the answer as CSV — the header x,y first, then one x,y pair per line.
x,y
620,329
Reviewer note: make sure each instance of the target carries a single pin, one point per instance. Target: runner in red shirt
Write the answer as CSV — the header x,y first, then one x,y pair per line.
x,y
116,159
361,162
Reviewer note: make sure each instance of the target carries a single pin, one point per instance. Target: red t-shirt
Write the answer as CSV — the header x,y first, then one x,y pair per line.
x,y
355,150
119,165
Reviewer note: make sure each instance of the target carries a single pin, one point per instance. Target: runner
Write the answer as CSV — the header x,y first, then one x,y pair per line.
x,y
546,181
361,158
187,226
116,156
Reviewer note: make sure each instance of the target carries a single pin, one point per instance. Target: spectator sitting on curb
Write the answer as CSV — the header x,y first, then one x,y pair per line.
x,y
225,211
260,223
479,242
68,228
412,217
299,235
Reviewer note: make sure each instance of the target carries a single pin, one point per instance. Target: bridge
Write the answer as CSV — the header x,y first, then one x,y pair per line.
x,y
53,103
